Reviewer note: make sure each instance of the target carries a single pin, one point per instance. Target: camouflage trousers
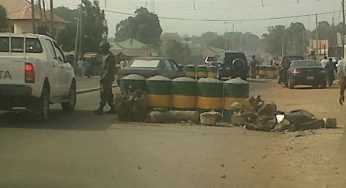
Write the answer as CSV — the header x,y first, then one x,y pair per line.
x,y
106,94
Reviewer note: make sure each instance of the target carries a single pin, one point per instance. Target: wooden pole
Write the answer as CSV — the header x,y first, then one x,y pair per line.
x,y
76,49
33,16
317,37
343,28
52,30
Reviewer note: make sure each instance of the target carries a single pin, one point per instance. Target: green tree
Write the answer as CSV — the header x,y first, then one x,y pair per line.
x,y
68,36
178,51
92,26
3,19
275,39
144,27
296,39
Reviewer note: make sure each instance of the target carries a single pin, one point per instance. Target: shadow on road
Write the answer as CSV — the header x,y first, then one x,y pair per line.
x,y
58,120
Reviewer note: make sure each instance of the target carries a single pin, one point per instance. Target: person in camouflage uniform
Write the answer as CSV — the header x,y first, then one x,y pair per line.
x,y
107,76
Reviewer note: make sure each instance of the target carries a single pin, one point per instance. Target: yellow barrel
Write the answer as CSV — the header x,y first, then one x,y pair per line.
x,y
271,72
202,71
212,72
262,72
190,71
235,90
209,94
159,92
184,93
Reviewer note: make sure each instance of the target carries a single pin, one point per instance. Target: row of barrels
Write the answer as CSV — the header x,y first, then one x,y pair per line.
x,y
186,93
267,72
201,71
204,71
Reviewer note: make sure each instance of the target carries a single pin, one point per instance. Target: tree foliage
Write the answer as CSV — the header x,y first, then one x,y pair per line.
x,y
92,26
144,27
3,19
68,36
178,51
292,40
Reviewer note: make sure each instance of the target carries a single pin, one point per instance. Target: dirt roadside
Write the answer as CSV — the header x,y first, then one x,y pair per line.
x,y
311,158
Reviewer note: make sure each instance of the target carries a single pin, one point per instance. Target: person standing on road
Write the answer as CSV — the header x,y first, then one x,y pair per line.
x,y
253,65
330,69
324,61
342,75
107,77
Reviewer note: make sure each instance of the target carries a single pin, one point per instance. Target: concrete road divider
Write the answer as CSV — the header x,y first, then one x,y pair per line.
x,y
81,91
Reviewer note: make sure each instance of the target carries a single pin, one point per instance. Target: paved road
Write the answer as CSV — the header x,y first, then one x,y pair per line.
x,y
87,83
85,150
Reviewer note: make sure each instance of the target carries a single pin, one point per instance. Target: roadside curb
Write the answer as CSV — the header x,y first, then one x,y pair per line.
x,y
81,91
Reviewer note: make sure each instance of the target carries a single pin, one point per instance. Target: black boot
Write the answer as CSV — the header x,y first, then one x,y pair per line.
x,y
112,110
99,111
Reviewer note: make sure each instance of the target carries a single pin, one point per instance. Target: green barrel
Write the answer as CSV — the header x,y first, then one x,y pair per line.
x,y
159,92
212,72
184,93
134,80
235,90
209,94
262,71
190,71
202,71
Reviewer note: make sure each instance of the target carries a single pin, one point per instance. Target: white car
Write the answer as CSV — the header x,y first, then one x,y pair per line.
x,y
34,74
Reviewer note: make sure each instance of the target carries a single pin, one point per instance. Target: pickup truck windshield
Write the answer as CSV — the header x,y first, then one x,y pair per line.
x,y
32,45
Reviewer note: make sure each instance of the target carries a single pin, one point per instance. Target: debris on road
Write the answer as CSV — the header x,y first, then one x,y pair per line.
x,y
264,116
256,114
210,118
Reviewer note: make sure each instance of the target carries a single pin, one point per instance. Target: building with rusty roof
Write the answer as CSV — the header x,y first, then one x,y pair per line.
x,y
19,14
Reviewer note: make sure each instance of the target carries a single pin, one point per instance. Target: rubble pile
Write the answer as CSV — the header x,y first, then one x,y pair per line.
x,y
131,106
264,116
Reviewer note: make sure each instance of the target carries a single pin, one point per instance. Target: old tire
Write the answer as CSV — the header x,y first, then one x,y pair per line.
x,y
71,104
290,83
41,107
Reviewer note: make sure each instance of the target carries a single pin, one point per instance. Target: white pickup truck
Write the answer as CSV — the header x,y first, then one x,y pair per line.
x,y
34,74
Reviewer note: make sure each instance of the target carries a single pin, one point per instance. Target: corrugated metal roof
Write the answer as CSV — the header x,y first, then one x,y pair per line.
x,y
21,10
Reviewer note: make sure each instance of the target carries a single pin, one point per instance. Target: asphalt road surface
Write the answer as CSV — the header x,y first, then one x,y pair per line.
x,y
84,150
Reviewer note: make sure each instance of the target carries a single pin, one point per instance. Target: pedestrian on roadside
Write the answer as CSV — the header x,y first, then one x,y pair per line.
x,y
81,69
253,66
107,77
324,61
330,70
342,76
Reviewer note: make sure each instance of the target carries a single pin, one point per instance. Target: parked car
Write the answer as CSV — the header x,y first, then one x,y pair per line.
x,y
284,65
306,72
152,66
34,74
234,65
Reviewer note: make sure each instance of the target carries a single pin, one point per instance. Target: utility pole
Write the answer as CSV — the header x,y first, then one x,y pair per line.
x,y
52,30
33,16
343,28
317,37
76,49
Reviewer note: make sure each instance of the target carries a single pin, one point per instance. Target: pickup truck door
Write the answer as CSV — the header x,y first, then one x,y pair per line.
x,y
53,69
65,72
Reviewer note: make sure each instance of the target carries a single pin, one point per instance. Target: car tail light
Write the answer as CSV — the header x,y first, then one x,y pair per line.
x,y
29,73
296,71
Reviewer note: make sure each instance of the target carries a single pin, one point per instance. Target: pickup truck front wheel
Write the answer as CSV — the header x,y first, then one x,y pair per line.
x,y
70,105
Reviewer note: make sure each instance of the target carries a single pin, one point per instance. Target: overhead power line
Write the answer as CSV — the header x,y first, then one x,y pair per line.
x,y
228,20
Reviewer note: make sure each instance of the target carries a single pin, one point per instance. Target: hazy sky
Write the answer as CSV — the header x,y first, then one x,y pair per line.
x,y
220,10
